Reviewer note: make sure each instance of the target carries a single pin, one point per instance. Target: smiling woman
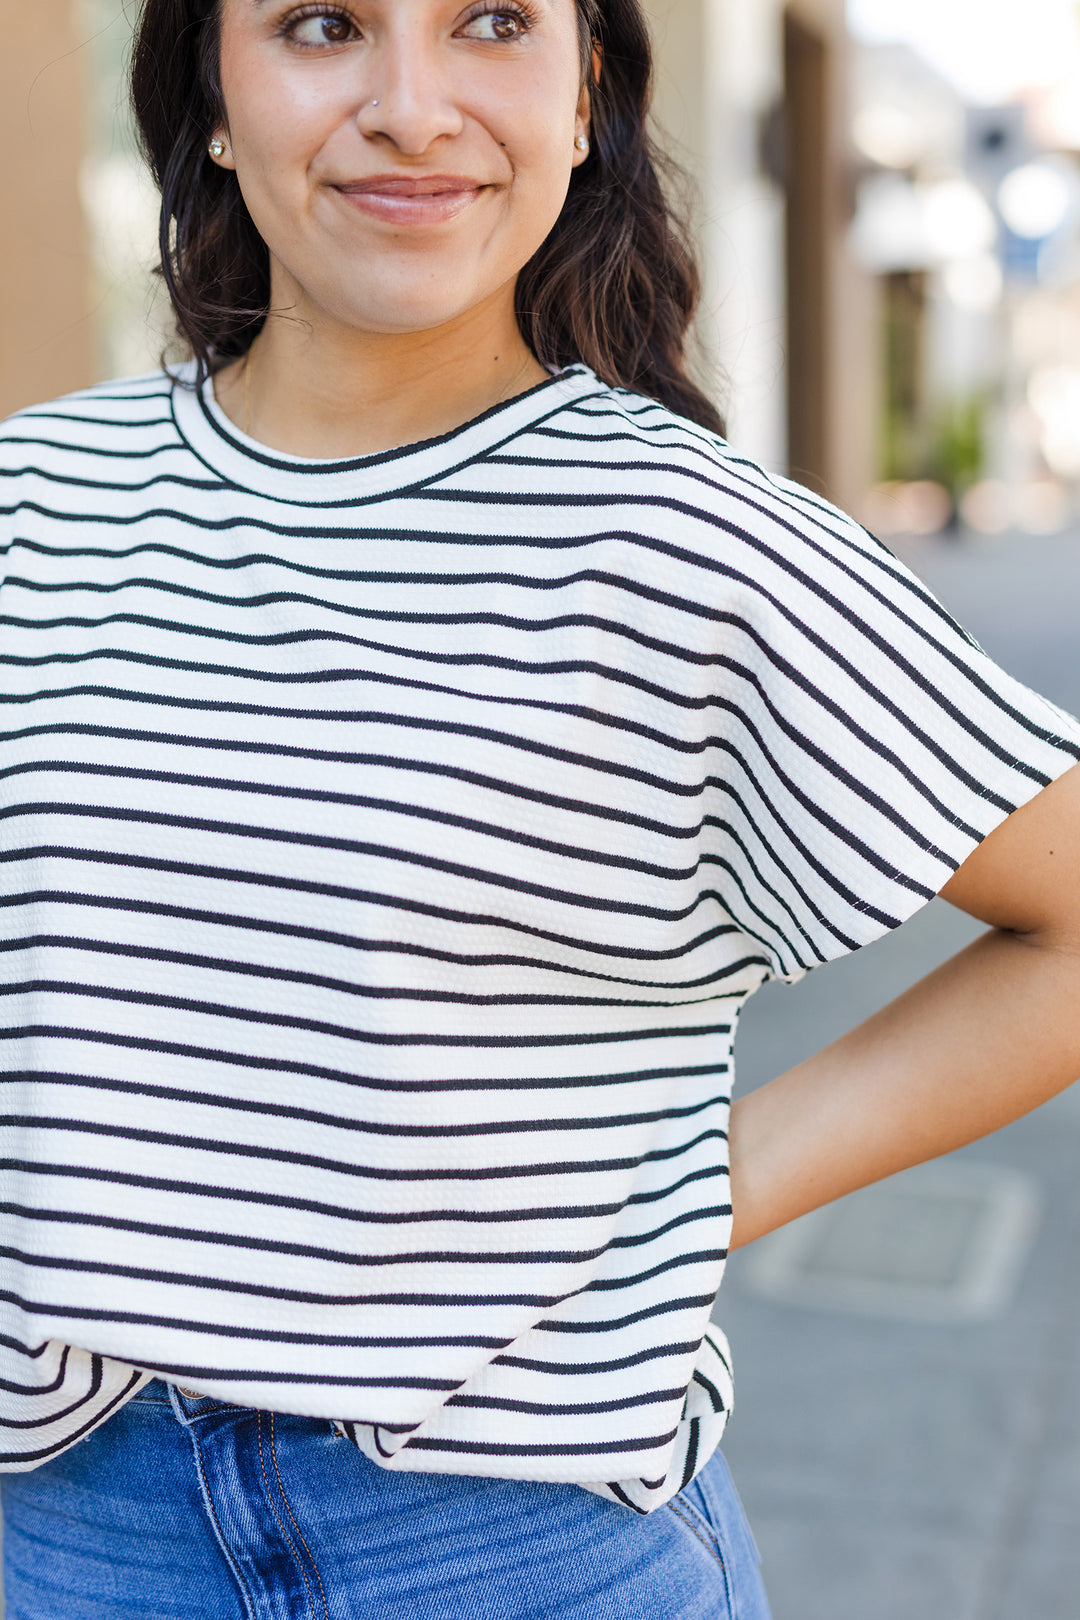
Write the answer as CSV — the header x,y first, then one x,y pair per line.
x,y
425,733
548,241
369,239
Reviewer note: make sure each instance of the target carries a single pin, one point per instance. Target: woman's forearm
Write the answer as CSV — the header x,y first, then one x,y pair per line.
x,y
987,1037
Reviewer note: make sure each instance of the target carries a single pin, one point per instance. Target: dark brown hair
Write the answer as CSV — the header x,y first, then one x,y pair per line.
x,y
615,284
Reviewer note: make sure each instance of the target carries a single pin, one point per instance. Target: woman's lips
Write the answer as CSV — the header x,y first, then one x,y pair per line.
x,y
412,199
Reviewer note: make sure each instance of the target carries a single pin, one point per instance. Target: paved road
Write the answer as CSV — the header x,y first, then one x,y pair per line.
x,y
915,1470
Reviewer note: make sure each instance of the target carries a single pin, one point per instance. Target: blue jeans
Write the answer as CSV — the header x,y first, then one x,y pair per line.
x,y
185,1506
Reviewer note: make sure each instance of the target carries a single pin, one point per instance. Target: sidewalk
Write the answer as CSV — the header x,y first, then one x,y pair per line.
x,y
897,1467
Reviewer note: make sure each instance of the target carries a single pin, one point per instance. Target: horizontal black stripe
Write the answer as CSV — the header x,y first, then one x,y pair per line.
x,y
228,1331
613,1324
211,965
294,836
354,1258
477,1448
357,801
699,1257
487,1217
300,1068
500,1127
312,1161
246,1195
492,1403
272,926
583,1369
298,1338
136,863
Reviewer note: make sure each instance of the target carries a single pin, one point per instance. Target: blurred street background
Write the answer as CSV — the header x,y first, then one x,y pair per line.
x,y
888,208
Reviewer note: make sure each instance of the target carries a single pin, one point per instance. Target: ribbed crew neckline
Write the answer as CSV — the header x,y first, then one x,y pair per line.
x,y
246,463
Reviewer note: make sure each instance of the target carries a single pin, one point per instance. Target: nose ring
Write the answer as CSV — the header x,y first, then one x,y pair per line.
x,y
374,103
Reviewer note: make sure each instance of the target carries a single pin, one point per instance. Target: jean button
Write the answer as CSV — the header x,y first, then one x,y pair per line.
x,y
191,1394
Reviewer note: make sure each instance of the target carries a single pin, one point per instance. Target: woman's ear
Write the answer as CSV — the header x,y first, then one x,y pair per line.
x,y
220,149
583,117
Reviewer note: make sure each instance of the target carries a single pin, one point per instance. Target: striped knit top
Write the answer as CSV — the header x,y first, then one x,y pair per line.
x,y
387,847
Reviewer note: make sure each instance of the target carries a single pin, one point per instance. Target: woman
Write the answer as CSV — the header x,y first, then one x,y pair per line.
x,y
422,732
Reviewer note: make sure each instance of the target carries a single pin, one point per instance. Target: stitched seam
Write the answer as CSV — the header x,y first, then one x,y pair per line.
x,y
281,1527
708,1544
223,1543
292,1516
710,1547
694,1514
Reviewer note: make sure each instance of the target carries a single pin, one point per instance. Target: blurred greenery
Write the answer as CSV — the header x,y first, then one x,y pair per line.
x,y
958,444
902,426
924,438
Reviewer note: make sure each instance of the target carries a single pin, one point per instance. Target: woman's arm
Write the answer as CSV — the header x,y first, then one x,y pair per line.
x,y
987,1037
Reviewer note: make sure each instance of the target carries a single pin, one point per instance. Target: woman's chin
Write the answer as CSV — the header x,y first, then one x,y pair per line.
x,y
400,315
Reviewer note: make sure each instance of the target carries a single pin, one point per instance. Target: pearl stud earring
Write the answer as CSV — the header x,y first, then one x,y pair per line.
x,y
581,143
216,148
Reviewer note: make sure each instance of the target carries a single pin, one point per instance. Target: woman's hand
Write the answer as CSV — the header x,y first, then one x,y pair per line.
x,y
987,1037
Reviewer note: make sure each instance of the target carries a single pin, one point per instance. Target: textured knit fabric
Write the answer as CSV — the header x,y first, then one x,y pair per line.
x,y
386,850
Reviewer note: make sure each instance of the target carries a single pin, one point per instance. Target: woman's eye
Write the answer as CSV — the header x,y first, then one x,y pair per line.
x,y
328,28
495,25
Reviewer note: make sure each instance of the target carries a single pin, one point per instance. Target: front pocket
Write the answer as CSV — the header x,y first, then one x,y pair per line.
x,y
698,1525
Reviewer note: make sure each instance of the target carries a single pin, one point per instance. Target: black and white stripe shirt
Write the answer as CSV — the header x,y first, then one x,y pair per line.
x,y
386,850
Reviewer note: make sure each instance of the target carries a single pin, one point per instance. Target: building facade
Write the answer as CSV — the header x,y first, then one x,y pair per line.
x,y
755,99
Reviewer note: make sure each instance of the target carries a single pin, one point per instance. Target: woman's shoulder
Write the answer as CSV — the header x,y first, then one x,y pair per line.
x,y
96,418
703,491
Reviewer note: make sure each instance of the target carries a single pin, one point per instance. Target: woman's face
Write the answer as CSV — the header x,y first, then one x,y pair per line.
x,y
402,159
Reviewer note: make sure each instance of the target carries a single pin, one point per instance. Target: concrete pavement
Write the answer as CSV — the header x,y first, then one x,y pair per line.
x,y
897,1467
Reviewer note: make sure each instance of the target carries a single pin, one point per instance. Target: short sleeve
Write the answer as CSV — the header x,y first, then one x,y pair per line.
x,y
874,744
15,459
9,485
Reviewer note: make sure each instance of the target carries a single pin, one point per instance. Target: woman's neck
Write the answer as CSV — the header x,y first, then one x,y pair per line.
x,y
319,390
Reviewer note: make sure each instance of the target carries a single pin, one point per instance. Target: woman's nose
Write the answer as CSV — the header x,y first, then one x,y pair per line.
x,y
410,103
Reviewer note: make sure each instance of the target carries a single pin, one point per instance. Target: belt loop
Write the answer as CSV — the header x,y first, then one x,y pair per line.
x,y
176,1401
188,1404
